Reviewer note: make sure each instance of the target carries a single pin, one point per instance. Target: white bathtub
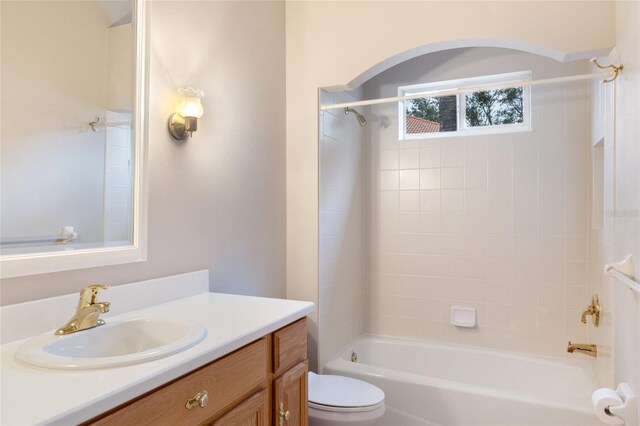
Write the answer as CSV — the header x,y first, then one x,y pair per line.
x,y
432,383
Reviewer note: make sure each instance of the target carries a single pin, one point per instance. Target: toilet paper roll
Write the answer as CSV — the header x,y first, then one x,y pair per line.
x,y
603,398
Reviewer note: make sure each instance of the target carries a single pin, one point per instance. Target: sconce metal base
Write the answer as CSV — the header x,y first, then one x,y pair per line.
x,y
180,127
177,127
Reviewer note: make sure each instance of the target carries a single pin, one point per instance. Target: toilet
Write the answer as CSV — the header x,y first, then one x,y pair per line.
x,y
339,400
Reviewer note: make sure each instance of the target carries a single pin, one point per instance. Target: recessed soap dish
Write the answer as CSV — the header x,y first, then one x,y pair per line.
x,y
463,317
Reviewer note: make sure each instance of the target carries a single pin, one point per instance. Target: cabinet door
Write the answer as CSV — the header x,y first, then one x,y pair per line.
x,y
290,399
252,412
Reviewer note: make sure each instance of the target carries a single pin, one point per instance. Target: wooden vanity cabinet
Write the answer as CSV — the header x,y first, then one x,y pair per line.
x,y
263,383
290,369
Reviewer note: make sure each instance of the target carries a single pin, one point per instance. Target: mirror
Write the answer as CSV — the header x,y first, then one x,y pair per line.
x,y
73,98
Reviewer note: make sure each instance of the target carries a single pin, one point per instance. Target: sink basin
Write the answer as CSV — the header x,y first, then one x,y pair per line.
x,y
120,343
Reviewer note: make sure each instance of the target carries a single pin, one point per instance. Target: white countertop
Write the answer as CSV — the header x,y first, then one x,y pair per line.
x,y
62,397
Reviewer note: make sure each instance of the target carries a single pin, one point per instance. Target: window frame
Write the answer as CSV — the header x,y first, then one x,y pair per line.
x,y
463,129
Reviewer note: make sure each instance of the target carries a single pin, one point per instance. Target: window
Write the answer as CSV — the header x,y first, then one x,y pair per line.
x,y
504,109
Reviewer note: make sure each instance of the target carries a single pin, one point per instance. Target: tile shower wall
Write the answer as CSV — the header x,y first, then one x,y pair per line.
x,y
342,237
601,232
499,223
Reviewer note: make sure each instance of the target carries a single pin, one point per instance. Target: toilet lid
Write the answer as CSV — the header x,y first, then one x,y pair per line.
x,y
340,391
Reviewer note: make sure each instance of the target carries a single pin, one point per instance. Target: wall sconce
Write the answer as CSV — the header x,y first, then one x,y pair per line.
x,y
183,123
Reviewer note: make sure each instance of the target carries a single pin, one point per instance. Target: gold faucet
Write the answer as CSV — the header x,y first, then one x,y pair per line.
x,y
591,350
594,310
87,311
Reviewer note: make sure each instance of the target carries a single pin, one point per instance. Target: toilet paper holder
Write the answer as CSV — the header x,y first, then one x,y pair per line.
x,y
626,411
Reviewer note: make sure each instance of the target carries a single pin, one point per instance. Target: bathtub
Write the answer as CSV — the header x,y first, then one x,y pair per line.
x,y
429,383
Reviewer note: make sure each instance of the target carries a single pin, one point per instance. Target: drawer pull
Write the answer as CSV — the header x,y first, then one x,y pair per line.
x,y
201,399
284,415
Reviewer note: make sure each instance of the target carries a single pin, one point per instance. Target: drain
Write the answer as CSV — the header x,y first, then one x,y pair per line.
x,y
354,356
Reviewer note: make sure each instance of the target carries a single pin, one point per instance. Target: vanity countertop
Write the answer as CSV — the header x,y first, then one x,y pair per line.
x,y
33,395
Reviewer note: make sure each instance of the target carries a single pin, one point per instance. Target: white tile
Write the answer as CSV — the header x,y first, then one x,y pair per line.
x,y
525,174
389,180
498,315
500,269
388,221
551,223
550,247
431,244
431,266
430,200
576,273
409,179
409,200
500,199
452,222
452,178
524,318
500,246
551,296
476,268
452,155
429,222
576,248
525,295
500,176
500,152
389,159
499,292
525,246
475,290
409,222
475,223
474,245
525,199
500,223
550,271
576,297
475,153
431,287
430,179
429,157
453,244
475,177
551,198
388,200
452,199
452,289
475,199
409,158
551,171
430,309
453,267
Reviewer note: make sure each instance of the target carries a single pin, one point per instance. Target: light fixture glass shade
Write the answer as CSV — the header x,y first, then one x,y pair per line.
x,y
190,106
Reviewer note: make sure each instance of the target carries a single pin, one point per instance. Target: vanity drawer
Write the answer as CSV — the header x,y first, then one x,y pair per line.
x,y
227,381
289,346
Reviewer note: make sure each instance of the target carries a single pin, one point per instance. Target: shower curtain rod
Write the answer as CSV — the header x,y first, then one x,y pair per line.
x,y
482,88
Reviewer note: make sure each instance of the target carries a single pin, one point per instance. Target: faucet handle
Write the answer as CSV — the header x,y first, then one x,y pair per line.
x,y
89,293
594,310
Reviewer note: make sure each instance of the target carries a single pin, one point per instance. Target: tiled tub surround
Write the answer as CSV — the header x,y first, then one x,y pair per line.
x,y
72,397
342,228
495,222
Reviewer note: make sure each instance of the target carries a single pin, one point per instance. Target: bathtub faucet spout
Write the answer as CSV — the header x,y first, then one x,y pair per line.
x,y
591,350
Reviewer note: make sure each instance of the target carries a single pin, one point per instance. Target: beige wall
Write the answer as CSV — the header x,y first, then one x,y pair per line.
x,y
332,43
626,213
218,200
